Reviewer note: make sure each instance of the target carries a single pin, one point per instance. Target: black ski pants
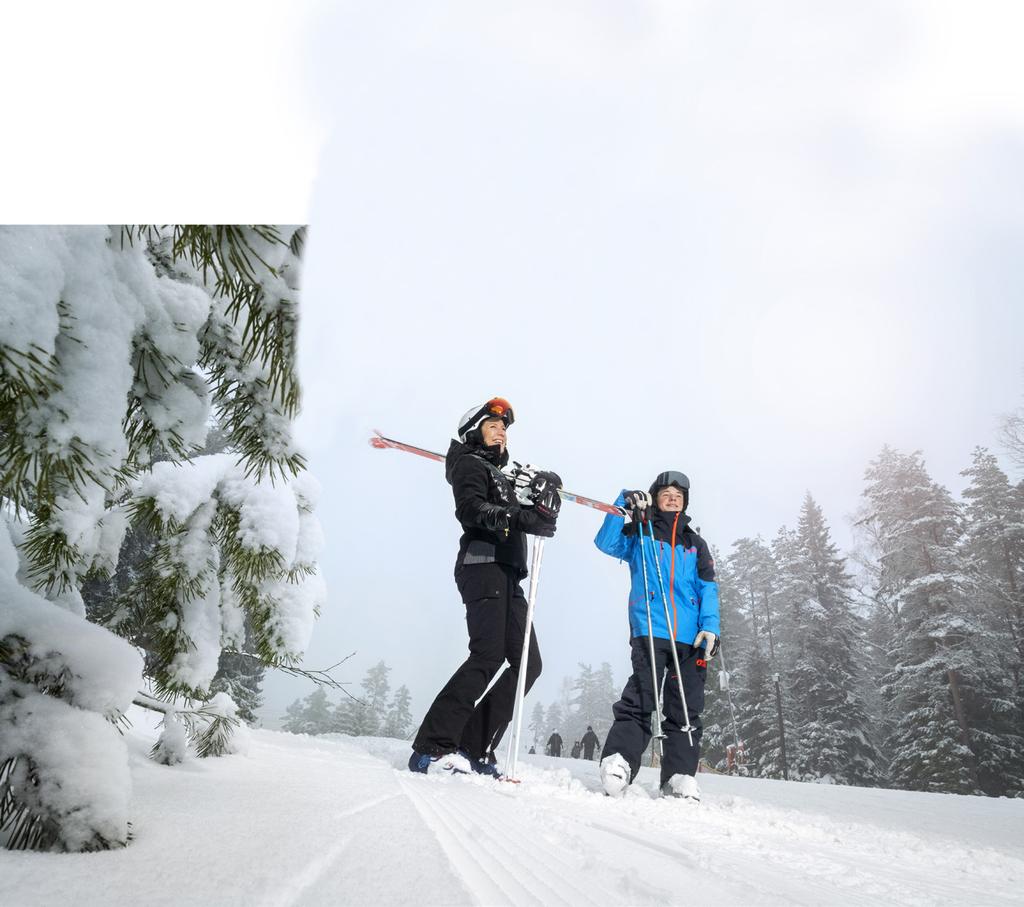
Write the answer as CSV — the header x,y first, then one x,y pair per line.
x,y
496,621
631,732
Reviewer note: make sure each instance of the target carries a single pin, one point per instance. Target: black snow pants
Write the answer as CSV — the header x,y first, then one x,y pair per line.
x,y
496,620
631,732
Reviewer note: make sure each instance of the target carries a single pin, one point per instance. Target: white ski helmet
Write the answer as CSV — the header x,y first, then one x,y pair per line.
x,y
472,418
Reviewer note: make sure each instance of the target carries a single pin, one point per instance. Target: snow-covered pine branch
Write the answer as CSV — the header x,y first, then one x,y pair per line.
x,y
119,347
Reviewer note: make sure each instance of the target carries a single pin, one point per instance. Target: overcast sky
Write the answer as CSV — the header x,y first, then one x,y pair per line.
x,y
754,242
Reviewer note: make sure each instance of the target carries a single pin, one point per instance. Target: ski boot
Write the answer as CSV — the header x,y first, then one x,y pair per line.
x,y
614,775
456,763
485,765
683,787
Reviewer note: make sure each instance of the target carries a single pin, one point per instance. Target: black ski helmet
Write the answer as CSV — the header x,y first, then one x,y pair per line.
x,y
672,477
473,418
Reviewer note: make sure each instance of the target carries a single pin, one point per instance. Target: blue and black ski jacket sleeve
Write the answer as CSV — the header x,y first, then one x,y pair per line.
x,y
610,539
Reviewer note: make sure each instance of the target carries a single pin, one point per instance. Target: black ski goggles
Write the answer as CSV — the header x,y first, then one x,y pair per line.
x,y
672,477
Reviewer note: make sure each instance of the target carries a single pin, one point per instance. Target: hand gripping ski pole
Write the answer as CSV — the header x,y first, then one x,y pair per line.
x,y
658,733
382,443
511,761
668,623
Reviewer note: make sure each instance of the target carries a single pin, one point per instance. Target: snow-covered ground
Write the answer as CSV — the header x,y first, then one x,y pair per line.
x,y
313,820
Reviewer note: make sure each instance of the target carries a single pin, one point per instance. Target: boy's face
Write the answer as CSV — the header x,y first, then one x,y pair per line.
x,y
670,499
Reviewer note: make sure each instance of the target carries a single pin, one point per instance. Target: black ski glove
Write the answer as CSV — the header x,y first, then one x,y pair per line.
x,y
532,521
495,517
544,494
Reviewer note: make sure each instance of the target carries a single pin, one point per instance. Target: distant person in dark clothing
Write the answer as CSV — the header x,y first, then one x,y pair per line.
x,y
575,750
554,745
589,743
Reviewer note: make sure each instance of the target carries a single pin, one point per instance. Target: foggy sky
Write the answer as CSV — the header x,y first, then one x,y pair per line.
x,y
751,246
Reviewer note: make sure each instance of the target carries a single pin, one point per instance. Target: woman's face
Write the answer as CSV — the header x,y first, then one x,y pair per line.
x,y
493,432
670,499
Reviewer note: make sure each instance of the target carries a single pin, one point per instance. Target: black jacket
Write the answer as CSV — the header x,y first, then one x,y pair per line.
x,y
485,505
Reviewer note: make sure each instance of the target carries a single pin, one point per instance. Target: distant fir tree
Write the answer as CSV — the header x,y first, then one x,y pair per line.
x,y
366,716
398,723
719,728
753,575
1012,435
824,644
993,556
757,714
554,720
594,693
949,705
994,540
536,725
312,715
376,689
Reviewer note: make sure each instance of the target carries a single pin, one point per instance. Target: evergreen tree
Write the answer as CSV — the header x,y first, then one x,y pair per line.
x,y
376,688
536,725
994,543
717,718
554,720
832,732
399,718
753,575
993,556
758,715
313,715
935,683
240,676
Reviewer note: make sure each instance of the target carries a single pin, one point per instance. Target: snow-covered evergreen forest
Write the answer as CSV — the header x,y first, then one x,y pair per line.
x,y
158,543
898,665
374,712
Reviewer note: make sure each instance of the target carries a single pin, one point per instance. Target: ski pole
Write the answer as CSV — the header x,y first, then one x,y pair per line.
x,y
382,443
728,694
658,735
512,759
671,630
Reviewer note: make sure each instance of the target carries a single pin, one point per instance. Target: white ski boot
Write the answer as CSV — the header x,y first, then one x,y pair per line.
x,y
614,775
682,786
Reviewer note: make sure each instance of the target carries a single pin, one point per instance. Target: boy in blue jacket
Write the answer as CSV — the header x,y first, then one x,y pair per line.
x,y
688,574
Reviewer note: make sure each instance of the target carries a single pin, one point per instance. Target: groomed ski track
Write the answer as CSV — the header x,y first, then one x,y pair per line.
x,y
307,821
556,839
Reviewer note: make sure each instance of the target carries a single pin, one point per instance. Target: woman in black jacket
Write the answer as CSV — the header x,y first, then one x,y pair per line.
x,y
490,565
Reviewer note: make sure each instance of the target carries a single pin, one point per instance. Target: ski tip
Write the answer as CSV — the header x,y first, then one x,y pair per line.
x,y
378,442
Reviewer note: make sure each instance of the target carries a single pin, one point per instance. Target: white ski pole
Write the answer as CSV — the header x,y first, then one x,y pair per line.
x,y
658,733
671,632
517,712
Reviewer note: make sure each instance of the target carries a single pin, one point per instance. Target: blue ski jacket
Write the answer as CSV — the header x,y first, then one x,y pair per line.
x,y
687,571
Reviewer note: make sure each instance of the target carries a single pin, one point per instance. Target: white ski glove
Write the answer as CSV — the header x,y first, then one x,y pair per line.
x,y
708,637
638,505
